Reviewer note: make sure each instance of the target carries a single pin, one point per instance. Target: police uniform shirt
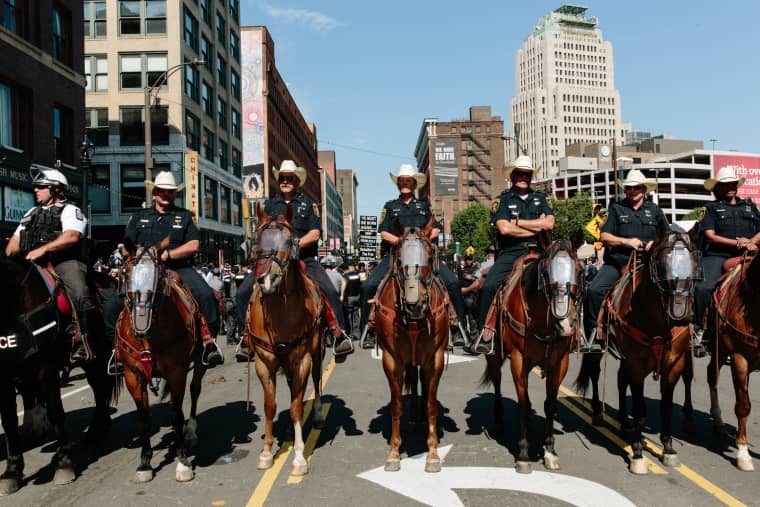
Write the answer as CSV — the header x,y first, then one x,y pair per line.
x,y
511,206
305,217
72,218
625,222
148,227
740,220
416,213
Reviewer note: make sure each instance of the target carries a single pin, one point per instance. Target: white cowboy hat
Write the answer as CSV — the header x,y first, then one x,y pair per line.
x,y
408,171
288,166
635,178
725,175
165,180
523,163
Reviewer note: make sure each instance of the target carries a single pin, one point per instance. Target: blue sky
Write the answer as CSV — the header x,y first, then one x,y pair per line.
x,y
368,73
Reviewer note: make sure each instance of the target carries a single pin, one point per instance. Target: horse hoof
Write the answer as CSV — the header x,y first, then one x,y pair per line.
x,y
300,469
638,466
64,476
9,485
265,462
551,461
745,465
597,420
393,465
183,473
142,476
670,460
523,467
433,465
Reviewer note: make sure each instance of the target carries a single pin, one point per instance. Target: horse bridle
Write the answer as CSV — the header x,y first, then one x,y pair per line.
x,y
136,305
402,276
291,247
672,287
552,290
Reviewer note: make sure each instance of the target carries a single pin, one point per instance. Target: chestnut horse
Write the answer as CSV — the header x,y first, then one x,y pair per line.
x,y
412,329
538,321
284,329
733,331
158,335
646,315
34,346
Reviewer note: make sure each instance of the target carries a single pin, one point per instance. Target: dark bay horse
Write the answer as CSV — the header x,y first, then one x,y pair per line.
x,y
733,331
412,329
158,336
645,317
284,329
538,321
34,347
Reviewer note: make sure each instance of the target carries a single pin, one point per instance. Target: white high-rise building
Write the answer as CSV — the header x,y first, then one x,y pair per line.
x,y
565,89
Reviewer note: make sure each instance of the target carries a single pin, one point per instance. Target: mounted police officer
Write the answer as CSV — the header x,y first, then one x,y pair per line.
x,y
52,231
149,226
410,212
730,227
518,215
631,225
308,227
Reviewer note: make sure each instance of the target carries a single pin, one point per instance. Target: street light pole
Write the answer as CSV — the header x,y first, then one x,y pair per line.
x,y
713,141
85,157
150,92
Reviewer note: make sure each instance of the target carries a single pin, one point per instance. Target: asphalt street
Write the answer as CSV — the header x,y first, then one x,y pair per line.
x,y
346,457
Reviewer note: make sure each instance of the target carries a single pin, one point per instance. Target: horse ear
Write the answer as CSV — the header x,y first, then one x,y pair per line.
x,y
576,239
662,232
396,228
544,239
128,248
429,227
163,244
259,210
289,213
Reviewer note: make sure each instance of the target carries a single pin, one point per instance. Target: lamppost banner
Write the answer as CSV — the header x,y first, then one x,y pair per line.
x,y
445,167
192,190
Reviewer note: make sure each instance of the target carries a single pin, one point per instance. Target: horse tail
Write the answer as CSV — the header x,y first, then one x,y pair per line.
x,y
590,369
118,383
486,379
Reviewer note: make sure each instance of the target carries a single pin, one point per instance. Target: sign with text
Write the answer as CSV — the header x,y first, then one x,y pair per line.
x,y
367,238
745,166
192,187
16,202
445,167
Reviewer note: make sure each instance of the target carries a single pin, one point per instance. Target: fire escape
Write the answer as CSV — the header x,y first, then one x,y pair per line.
x,y
478,178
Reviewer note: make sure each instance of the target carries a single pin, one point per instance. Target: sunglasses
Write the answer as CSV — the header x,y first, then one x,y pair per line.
x,y
287,179
165,191
521,174
635,187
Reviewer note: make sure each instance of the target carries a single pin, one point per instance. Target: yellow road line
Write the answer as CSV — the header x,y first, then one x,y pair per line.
x,y
311,443
264,487
717,492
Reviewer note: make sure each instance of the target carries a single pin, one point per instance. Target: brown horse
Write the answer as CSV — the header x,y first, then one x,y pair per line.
x,y
538,321
412,329
733,328
157,335
284,329
646,315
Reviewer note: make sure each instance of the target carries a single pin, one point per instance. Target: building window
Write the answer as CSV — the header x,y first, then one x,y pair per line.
x,y
132,126
225,215
235,45
207,54
6,116
191,30
209,145
99,189
222,108
235,10
206,11
96,73
237,217
62,130
96,123
94,19
192,82
235,84
237,163
141,70
61,36
221,71
235,117
146,17
221,30
224,157
192,131
159,125
207,99
133,185
210,198
10,16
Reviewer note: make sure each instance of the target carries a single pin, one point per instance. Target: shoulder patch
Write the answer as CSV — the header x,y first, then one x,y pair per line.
x,y
702,214
315,208
495,205
79,214
382,215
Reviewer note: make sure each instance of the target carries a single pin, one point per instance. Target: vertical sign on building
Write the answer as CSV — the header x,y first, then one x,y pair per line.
x,y
367,238
253,112
745,166
192,190
445,166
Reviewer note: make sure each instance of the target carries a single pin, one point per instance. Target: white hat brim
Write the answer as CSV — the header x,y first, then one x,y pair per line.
x,y
419,177
710,183
300,173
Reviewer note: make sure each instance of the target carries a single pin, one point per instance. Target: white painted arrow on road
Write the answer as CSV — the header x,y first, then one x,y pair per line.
x,y
377,353
438,488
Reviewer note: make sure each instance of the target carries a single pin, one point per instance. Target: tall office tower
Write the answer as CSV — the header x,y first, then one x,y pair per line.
x,y
178,63
565,89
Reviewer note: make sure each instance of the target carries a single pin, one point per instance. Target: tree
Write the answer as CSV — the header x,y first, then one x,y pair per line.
x,y
572,214
694,214
471,227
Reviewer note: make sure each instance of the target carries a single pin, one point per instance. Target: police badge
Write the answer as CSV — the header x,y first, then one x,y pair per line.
x,y
315,208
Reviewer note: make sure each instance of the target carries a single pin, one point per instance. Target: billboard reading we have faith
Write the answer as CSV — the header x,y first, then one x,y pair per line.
x,y
745,166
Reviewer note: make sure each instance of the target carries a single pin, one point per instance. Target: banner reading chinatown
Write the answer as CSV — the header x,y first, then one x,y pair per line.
x,y
192,190
445,167
745,166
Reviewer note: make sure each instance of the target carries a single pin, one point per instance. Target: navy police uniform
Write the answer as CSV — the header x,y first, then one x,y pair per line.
x,y
305,219
148,227
416,213
732,221
624,222
509,206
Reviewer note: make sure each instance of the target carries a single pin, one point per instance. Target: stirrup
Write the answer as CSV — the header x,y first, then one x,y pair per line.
x,y
207,351
482,347
340,350
115,367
